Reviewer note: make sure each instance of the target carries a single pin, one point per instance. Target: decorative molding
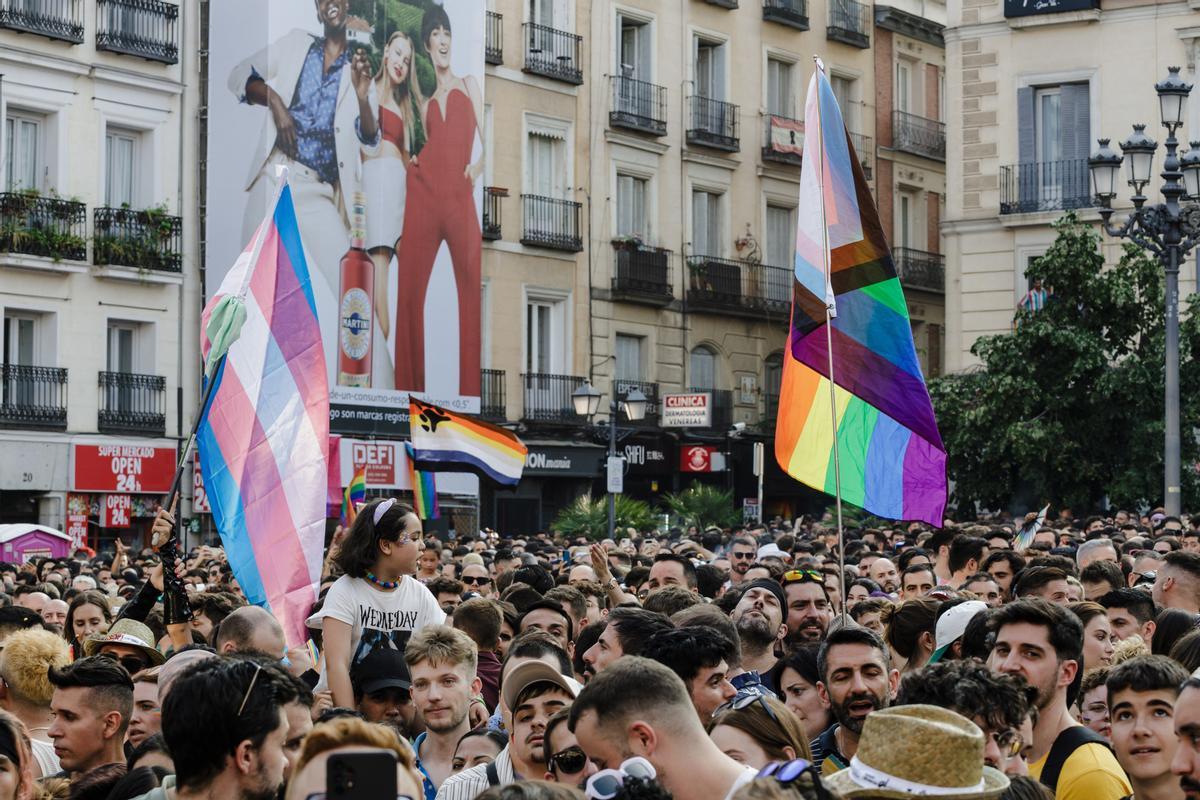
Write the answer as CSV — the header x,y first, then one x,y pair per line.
x,y
898,21
636,142
1066,18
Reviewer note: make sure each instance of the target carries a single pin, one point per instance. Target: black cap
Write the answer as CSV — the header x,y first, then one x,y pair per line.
x,y
19,616
382,668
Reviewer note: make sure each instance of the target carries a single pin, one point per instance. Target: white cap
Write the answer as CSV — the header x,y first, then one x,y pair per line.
x,y
950,626
772,551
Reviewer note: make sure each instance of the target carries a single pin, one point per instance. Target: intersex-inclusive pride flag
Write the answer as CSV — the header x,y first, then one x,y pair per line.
x,y
893,463
445,441
264,441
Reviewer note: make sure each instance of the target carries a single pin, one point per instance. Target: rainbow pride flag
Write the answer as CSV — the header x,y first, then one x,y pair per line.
x,y
354,496
893,462
446,441
264,438
424,488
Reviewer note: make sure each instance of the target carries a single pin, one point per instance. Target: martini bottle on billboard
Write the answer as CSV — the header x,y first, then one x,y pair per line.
x,y
357,304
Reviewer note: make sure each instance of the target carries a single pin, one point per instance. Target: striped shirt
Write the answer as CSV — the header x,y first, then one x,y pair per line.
x,y
470,783
825,753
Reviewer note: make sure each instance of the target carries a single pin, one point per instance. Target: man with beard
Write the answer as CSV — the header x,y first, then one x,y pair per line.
x,y
535,692
758,616
565,760
1043,643
1186,763
856,679
809,610
742,553
883,572
442,663
382,693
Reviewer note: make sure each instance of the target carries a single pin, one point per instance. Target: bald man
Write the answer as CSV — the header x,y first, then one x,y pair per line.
x,y
883,572
251,630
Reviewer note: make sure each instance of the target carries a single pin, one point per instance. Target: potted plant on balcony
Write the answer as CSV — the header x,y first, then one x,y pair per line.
x,y
140,239
632,241
40,226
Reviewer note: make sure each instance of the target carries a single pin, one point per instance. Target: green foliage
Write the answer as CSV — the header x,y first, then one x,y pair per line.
x,y
144,239
1068,407
588,517
702,505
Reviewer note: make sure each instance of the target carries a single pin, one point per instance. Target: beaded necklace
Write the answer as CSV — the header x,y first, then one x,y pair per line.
x,y
381,583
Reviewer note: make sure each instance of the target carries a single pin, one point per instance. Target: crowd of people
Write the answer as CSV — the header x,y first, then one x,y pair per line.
x,y
756,663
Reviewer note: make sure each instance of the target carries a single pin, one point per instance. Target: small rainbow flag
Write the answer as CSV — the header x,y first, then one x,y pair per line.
x,y
446,441
354,496
424,489
1029,530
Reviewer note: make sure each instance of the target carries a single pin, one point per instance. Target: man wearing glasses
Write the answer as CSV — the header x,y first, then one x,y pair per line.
x,y
566,762
809,611
475,578
742,553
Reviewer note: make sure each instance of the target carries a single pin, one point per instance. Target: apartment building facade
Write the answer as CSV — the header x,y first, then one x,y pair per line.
x,y
1030,89
97,270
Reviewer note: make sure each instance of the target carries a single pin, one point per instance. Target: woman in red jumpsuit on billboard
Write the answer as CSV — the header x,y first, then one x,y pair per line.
x,y
441,207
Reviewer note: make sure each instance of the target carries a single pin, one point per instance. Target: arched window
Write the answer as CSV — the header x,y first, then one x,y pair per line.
x,y
703,368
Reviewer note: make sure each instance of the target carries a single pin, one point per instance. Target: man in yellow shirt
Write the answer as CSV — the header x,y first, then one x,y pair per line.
x,y
1043,643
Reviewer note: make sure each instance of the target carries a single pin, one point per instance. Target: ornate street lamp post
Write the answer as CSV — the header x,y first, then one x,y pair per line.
x,y
586,400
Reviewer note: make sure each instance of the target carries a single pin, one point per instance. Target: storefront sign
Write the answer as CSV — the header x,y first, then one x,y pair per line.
x,y
696,458
582,462
378,459
1025,8
751,511
199,494
387,468
77,530
131,469
647,459
116,511
691,410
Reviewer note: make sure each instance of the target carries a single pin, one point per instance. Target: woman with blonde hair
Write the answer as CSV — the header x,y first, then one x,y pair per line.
x,y
756,730
350,735
384,178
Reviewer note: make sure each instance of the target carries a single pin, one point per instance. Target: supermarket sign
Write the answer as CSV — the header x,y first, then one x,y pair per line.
x,y
123,468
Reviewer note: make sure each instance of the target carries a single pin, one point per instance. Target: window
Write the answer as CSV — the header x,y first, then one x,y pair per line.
x,y
780,100
121,340
551,13
121,159
1048,104
23,137
904,85
538,336
546,162
772,381
709,68
843,92
20,340
634,48
703,368
781,235
629,357
706,223
1054,133
907,219
631,207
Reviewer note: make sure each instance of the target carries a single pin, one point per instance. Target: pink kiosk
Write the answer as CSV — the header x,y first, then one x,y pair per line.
x,y
22,542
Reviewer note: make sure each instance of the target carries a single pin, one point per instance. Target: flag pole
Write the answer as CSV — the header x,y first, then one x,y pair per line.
x,y
830,313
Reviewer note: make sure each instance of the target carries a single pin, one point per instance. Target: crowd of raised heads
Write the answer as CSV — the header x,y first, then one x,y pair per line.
x,y
972,662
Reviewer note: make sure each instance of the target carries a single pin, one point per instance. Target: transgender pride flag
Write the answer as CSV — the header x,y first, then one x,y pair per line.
x,y
264,441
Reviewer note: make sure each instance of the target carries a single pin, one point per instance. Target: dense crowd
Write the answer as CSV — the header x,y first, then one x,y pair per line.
x,y
750,664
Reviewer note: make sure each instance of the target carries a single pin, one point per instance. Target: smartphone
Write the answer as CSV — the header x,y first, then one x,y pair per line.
x,y
360,776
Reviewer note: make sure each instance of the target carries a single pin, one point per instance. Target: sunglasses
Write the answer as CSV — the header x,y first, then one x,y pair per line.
x,y
744,701
786,772
802,576
608,783
1010,743
476,581
742,556
132,664
570,761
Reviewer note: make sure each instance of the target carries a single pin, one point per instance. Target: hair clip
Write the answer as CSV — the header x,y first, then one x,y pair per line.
x,y
383,507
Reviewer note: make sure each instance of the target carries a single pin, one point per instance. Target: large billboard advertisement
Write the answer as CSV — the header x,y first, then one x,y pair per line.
x,y
375,107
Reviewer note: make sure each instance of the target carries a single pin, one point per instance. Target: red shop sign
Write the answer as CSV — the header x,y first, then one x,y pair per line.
x,y
126,468
116,511
696,458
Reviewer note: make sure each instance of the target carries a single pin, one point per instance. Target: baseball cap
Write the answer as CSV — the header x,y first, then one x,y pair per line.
x,y
950,626
382,668
529,673
772,551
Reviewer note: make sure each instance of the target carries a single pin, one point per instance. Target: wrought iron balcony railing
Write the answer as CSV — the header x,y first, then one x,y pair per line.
x,y
33,397
551,223
491,402
492,195
783,139
920,270
723,3
738,287
638,106
918,135
1045,186
713,123
132,403
653,401
793,13
149,240
43,226
849,23
864,146
548,397
54,19
148,29
553,53
642,274
722,406
493,49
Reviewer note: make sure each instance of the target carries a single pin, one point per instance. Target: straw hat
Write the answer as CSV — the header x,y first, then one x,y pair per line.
x,y
919,750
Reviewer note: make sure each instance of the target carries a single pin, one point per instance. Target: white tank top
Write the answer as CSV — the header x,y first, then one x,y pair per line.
x,y
43,754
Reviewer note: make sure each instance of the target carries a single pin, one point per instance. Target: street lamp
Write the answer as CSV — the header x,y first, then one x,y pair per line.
x,y
586,400
1169,230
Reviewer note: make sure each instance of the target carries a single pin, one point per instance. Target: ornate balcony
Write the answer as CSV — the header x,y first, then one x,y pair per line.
x,y
491,401
147,240
551,223
492,195
552,53
740,288
132,404
54,19
713,123
638,106
642,274
849,23
148,29
783,140
793,13
1045,186
918,135
918,269
548,397
33,397
493,51
43,226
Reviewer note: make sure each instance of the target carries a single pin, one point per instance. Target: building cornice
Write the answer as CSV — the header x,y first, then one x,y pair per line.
x,y
896,20
956,33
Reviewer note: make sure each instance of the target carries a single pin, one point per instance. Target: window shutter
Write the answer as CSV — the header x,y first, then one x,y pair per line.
x,y
718,74
700,224
1076,134
1027,178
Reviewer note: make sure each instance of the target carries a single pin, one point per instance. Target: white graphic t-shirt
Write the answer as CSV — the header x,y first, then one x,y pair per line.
x,y
378,618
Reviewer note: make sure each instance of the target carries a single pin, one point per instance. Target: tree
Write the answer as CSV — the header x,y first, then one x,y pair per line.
x,y
702,506
1067,408
588,517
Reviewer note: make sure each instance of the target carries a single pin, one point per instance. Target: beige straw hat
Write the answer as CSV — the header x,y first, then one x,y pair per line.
x,y
919,751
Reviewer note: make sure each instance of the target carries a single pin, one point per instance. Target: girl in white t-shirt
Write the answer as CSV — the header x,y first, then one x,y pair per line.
x,y
376,603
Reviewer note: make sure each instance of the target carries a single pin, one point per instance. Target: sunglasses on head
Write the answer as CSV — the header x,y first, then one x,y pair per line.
x,y
802,576
744,701
570,761
608,783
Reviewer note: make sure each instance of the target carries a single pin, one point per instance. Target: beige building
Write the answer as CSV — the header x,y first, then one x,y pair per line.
x,y
97,264
1030,88
645,239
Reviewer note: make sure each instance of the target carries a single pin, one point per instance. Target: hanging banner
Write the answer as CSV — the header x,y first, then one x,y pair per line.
x,y
376,109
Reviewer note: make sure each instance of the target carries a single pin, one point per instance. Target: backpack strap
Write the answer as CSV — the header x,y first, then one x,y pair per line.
x,y
492,775
1067,743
